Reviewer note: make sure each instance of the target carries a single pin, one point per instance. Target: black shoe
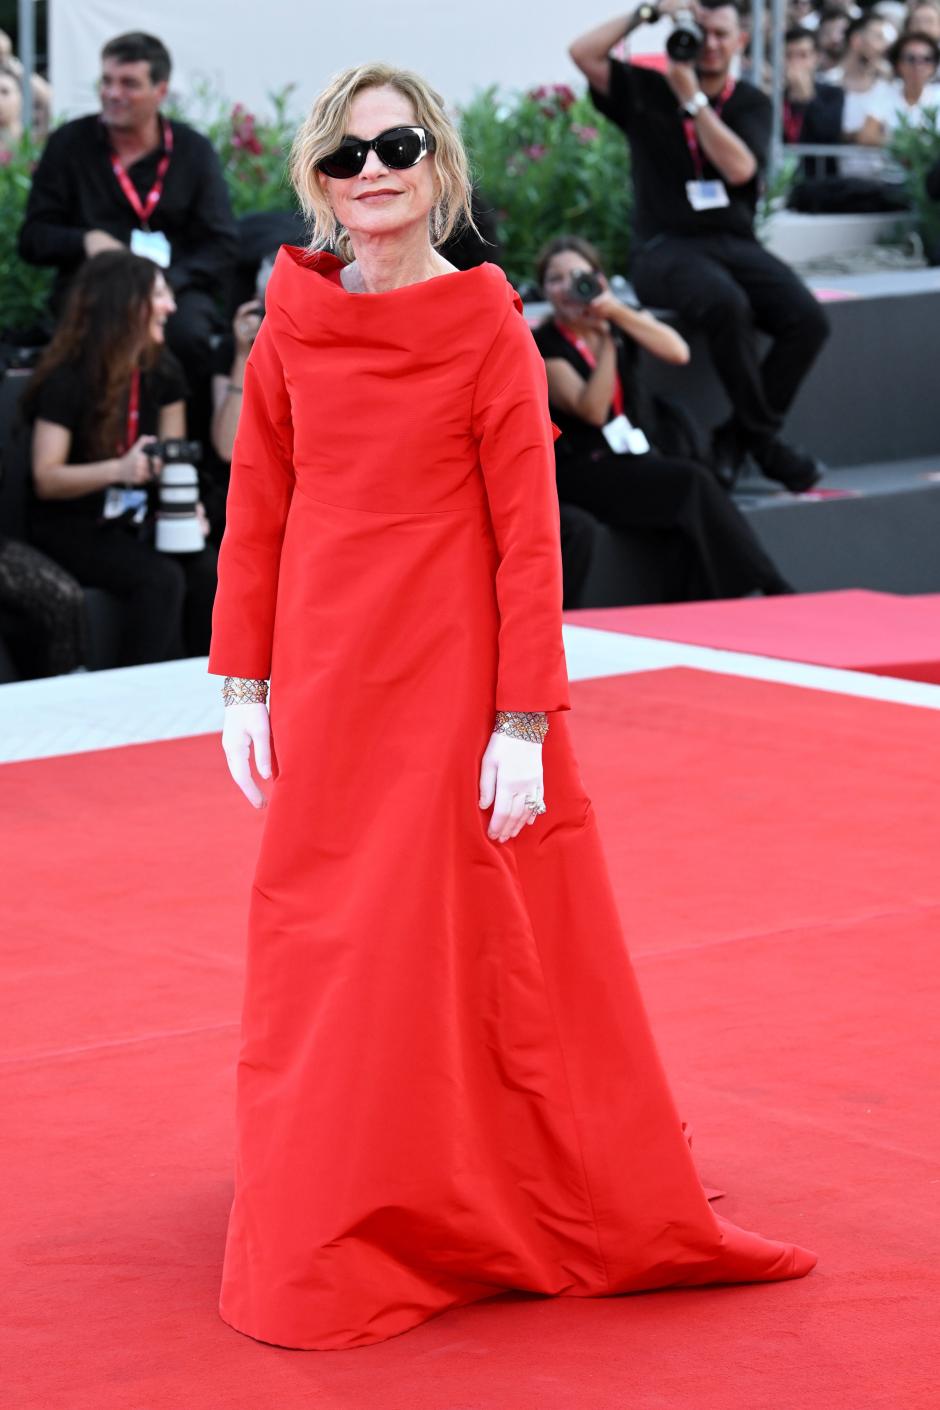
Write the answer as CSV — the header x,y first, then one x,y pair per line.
x,y
794,469
726,460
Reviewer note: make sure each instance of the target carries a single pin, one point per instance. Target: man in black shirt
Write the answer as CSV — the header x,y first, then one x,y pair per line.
x,y
698,141
812,109
129,176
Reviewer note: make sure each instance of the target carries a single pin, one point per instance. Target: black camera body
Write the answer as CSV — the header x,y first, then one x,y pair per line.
x,y
175,451
584,287
685,42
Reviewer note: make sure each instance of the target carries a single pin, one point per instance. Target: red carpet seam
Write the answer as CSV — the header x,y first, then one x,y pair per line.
x,y
789,1118
810,926
54,1054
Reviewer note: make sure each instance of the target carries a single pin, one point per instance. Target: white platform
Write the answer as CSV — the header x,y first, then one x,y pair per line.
x,y
797,238
107,709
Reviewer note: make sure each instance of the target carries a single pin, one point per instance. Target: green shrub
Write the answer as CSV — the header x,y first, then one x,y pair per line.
x,y
549,164
915,146
253,149
24,289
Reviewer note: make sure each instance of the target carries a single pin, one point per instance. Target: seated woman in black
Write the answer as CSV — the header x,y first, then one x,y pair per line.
x,y
605,462
104,388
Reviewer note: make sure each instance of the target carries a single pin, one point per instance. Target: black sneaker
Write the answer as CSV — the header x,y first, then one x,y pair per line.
x,y
794,469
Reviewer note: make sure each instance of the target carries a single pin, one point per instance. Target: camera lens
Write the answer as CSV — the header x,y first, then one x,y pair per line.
x,y
585,287
685,42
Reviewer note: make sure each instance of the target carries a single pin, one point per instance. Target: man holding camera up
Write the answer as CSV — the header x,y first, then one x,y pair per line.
x,y
698,140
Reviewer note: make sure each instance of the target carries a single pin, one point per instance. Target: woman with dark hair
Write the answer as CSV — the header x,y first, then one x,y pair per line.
x,y
914,97
105,389
606,460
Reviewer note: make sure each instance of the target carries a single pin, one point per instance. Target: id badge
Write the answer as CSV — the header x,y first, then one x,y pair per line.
x,y
152,245
121,502
707,195
625,438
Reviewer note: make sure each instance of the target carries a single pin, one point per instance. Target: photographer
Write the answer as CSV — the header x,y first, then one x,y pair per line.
x,y
103,391
606,459
698,140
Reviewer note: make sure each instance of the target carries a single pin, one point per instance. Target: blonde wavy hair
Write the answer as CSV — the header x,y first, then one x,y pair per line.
x,y
328,123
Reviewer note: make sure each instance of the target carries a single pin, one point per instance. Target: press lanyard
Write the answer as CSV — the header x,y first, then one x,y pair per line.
x,y
145,209
582,348
691,136
133,413
792,122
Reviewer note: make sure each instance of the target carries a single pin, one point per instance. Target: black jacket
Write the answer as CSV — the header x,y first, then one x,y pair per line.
x,y
75,190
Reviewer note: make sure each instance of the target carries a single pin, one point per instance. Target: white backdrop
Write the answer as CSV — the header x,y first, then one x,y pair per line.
x,y
246,48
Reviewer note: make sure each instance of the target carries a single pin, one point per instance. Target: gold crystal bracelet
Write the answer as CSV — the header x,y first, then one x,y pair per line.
x,y
236,690
522,724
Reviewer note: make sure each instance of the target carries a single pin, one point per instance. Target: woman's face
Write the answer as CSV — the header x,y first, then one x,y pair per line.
x,y
558,275
11,101
916,66
381,201
162,304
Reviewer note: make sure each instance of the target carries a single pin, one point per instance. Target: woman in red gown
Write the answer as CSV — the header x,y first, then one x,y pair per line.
x,y
447,1086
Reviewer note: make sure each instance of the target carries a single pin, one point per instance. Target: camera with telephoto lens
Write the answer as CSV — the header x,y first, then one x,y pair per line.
x,y
584,287
684,44
178,529
174,451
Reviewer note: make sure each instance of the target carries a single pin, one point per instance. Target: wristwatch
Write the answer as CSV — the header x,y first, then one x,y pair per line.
x,y
696,103
646,14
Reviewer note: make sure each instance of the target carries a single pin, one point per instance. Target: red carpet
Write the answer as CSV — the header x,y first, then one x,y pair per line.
x,y
777,855
855,630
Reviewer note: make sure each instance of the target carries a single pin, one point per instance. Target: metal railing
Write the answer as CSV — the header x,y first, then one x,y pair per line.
x,y
26,19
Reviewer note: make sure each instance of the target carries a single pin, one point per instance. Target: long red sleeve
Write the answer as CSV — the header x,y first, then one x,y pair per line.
x,y
515,434
259,497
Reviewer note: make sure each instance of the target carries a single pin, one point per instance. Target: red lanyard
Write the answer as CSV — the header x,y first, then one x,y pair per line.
x,y
133,413
581,347
144,210
792,122
691,136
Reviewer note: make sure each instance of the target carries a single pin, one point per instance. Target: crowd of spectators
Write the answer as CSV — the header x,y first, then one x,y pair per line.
x,y
853,77
153,331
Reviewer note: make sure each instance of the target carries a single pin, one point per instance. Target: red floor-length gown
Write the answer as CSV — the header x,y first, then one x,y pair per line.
x,y
447,1086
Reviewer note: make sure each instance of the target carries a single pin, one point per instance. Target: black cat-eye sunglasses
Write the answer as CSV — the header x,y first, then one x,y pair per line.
x,y
397,147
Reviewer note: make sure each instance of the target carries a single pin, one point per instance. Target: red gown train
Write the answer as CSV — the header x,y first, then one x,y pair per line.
x,y
447,1086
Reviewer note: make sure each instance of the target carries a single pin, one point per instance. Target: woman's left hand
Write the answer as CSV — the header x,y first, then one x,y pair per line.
x,y
202,519
510,773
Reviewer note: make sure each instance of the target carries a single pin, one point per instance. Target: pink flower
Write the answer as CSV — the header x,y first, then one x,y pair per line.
x,y
6,156
535,153
564,96
584,133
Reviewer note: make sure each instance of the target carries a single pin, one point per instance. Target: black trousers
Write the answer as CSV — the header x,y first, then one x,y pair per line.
x,y
723,556
731,287
189,332
167,598
577,550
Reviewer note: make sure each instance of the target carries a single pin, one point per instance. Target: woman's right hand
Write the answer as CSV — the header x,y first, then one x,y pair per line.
x,y
246,727
245,325
135,468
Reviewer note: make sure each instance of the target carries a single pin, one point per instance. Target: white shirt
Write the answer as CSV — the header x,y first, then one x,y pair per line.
x,y
858,106
890,106
865,162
